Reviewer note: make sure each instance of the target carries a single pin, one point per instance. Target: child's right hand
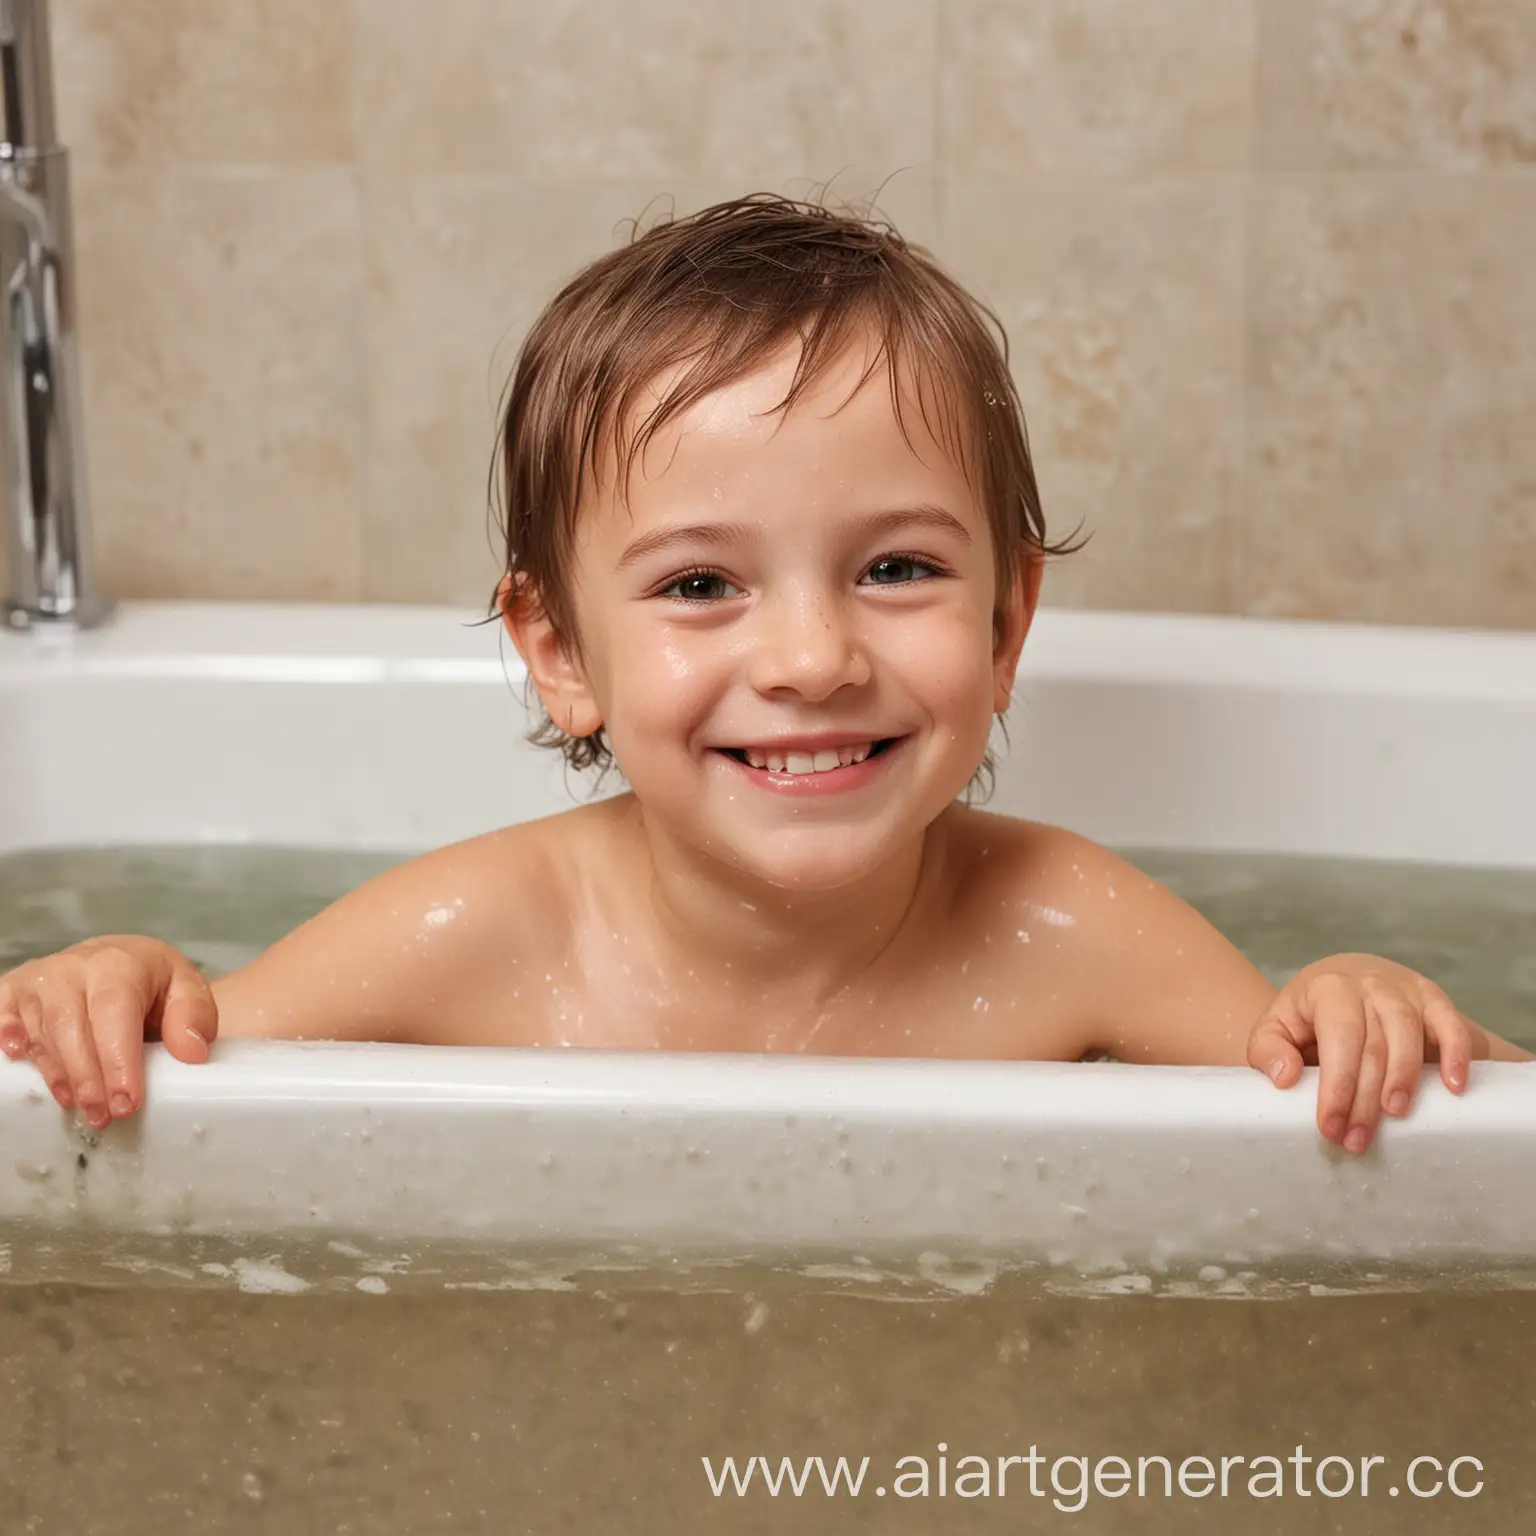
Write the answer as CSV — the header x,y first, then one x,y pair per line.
x,y
83,1014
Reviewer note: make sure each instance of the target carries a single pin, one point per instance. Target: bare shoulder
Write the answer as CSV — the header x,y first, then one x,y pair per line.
x,y
1034,861
1133,969
1068,893
413,955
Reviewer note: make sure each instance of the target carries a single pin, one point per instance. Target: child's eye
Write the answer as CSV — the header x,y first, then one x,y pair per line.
x,y
886,561
694,579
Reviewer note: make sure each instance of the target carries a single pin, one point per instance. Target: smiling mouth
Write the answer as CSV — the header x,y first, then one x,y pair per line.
x,y
739,753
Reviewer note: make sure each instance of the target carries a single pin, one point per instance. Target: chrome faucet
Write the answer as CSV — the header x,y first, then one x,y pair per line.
x,y
41,445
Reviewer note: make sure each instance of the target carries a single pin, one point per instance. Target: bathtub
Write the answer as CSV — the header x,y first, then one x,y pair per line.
x,y
512,1231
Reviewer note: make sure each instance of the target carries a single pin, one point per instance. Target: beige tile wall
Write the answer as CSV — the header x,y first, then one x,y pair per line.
x,y
1268,267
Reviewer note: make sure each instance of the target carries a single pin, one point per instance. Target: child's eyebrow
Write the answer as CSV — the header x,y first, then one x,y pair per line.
x,y
721,534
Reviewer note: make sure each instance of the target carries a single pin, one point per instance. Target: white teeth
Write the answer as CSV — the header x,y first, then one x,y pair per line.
x,y
807,762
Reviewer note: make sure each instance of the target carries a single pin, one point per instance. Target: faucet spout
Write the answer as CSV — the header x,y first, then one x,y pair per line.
x,y
42,447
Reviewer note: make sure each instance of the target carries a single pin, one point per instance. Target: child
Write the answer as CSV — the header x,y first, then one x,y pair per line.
x,y
774,544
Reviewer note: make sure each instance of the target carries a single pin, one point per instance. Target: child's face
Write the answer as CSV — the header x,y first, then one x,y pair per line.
x,y
802,620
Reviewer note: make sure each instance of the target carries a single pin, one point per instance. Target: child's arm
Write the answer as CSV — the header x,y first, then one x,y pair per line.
x,y
1164,986
390,961
407,958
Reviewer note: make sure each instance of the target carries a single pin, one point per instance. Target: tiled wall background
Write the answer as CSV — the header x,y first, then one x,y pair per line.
x,y
1268,267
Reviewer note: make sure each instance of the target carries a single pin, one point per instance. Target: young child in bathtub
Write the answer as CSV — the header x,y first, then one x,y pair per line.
x,y
774,545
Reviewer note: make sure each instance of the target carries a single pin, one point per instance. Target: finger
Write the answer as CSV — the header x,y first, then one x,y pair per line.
x,y
1338,1016
115,1006
1403,1026
66,1031
1276,1043
189,1016
1451,1031
51,1069
14,1038
1365,1112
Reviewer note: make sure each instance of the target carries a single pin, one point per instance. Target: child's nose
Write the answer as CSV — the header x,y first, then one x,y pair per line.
x,y
811,647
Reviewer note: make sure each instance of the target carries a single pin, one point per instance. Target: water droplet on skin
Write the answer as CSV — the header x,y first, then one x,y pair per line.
x,y
436,917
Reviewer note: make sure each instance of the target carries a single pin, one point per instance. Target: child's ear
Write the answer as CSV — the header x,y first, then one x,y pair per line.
x,y
1013,625
558,677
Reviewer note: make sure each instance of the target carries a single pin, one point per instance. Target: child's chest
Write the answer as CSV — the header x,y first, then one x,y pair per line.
x,y
989,972
984,997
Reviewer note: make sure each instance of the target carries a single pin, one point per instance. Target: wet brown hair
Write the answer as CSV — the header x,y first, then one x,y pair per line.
x,y
725,289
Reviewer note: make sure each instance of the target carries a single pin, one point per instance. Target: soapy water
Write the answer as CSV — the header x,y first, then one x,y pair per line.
x,y
1470,929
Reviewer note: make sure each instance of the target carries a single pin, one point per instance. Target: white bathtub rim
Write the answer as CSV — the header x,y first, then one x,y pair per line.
x,y
367,642
1075,1171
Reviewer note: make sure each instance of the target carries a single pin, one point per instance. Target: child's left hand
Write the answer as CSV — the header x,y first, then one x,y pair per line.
x,y
1365,1022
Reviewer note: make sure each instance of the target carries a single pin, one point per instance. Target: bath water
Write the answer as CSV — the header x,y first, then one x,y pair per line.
x,y
1470,929
146,1411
